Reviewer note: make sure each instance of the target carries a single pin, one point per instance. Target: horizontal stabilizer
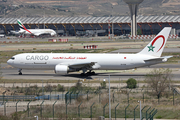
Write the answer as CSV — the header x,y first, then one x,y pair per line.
x,y
167,57
164,59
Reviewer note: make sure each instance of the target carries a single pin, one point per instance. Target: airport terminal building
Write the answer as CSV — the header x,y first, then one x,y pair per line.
x,y
89,26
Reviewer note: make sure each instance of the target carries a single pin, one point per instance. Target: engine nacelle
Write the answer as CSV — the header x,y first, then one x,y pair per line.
x,y
52,34
61,69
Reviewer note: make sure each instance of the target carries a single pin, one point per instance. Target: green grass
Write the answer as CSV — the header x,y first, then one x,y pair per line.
x,y
167,114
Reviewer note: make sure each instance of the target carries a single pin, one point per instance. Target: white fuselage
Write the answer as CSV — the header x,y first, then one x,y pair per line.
x,y
64,63
38,32
48,61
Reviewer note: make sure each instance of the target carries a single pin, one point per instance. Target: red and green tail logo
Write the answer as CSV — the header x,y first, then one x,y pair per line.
x,y
22,26
151,47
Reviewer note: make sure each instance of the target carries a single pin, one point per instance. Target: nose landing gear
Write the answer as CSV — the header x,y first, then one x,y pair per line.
x,y
20,73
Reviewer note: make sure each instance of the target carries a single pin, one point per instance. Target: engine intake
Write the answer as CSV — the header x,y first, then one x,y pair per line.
x,y
61,69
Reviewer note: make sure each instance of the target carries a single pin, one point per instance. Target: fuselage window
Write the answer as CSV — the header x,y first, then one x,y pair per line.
x,y
12,58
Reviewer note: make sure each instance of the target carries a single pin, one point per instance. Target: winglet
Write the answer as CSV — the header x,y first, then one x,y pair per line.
x,y
156,46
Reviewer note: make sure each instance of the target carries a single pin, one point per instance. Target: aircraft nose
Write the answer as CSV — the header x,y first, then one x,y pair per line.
x,y
9,62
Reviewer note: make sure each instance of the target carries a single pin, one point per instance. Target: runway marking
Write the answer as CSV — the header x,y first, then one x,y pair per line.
x,y
8,66
49,71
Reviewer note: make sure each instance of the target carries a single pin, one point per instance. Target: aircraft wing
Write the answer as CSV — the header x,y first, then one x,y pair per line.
x,y
164,58
80,66
37,34
14,32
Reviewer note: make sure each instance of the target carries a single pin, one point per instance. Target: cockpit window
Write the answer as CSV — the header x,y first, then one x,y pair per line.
x,y
12,58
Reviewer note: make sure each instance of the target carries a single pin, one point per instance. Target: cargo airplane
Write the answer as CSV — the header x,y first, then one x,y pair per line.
x,y
63,63
35,32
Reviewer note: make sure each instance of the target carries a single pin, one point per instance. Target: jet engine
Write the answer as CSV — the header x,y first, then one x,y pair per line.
x,y
61,69
53,34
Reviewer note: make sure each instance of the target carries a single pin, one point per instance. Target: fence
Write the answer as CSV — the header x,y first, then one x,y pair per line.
x,y
127,96
83,106
79,103
56,109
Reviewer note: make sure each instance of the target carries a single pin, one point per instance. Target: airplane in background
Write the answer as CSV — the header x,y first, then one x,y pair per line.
x,y
14,32
63,63
35,32
2,35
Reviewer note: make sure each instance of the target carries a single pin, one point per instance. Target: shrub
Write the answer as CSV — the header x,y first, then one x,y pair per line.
x,y
77,87
60,88
131,83
103,85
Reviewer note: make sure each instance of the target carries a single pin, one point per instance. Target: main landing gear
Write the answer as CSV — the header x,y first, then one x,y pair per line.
x,y
20,73
91,73
88,73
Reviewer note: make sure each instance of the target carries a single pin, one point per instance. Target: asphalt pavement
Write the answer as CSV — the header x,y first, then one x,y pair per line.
x,y
9,72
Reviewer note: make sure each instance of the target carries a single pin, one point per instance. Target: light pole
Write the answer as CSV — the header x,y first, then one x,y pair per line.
x,y
44,18
36,117
3,96
112,22
42,90
159,91
109,99
140,109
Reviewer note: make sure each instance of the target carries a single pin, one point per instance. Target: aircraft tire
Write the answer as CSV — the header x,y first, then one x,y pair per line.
x,y
93,73
20,73
82,74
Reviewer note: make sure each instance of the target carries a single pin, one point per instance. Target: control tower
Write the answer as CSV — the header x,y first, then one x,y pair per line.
x,y
133,6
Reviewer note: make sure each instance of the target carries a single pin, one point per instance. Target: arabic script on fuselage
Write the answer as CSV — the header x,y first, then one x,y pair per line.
x,y
70,57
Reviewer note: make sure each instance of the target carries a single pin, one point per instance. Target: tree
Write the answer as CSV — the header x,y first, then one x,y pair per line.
x,y
48,88
139,32
60,88
131,83
103,84
159,80
77,87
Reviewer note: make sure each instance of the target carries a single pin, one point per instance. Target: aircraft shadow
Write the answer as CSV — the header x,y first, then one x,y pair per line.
x,y
79,76
53,75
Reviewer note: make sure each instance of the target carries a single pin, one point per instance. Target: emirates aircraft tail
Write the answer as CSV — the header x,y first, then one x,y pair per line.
x,y
20,24
22,27
156,46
